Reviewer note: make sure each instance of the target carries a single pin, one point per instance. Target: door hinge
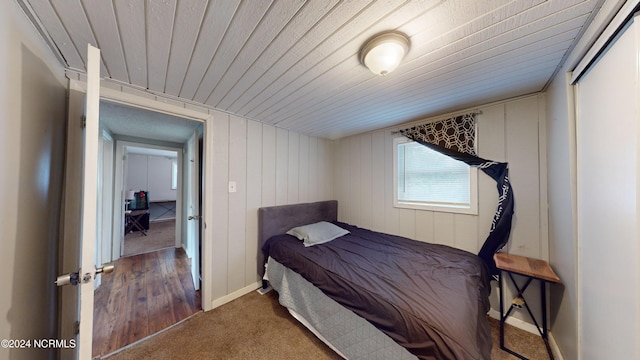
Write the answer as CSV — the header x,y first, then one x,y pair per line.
x,y
84,122
76,328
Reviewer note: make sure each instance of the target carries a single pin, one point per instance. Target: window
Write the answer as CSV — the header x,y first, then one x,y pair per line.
x,y
428,180
174,174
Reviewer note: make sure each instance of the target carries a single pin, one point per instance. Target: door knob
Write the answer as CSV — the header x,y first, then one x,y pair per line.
x,y
74,277
68,279
105,269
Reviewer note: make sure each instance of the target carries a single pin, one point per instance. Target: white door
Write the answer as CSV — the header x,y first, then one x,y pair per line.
x,y
608,184
85,246
192,226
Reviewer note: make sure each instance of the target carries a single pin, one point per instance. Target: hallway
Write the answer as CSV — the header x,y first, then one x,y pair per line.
x,y
145,294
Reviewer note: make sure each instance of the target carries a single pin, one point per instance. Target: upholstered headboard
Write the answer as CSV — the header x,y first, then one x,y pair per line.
x,y
276,220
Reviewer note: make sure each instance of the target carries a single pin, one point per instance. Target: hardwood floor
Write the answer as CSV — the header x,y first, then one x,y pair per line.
x,y
144,294
161,235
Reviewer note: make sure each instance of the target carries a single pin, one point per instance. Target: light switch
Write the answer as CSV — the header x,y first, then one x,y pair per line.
x,y
232,186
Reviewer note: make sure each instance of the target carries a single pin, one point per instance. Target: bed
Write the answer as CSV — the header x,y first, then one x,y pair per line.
x,y
373,295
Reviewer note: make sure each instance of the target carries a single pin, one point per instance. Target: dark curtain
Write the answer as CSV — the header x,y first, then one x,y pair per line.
x,y
455,137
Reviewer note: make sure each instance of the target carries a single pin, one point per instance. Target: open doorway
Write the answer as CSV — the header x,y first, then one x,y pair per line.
x,y
155,249
151,193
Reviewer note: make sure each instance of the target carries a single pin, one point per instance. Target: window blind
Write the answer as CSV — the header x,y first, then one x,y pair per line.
x,y
427,176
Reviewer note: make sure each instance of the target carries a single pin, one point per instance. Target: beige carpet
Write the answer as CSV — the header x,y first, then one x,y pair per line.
x,y
257,327
161,235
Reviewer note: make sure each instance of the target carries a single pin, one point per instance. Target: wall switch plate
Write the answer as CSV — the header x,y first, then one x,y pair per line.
x,y
232,186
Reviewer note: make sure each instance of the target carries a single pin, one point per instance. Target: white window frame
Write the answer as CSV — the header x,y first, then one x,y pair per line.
x,y
472,209
174,174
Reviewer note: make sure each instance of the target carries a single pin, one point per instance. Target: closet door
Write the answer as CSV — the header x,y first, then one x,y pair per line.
x,y
607,171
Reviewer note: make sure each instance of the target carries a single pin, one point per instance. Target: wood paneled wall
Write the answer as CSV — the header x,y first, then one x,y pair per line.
x,y
507,131
270,166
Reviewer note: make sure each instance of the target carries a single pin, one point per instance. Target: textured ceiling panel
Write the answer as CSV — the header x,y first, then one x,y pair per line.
x,y
144,124
294,63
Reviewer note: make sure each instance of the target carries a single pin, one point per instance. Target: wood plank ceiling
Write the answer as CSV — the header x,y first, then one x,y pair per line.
x,y
294,63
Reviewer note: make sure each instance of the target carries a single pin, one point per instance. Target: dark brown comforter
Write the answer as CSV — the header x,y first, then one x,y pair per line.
x,y
431,299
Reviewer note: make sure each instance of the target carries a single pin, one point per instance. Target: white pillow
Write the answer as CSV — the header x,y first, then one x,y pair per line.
x,y
318,233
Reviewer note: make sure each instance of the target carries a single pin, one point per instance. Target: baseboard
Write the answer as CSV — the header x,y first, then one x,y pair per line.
x,y
555,349
523,325
234,295
151,221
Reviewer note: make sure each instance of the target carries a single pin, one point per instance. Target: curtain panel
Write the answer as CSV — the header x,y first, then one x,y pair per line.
x,y
455,137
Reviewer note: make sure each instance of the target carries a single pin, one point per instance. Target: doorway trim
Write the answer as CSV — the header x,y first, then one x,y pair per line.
x,y
176,108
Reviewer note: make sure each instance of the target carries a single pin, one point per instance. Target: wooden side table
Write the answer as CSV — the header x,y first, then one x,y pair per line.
x,y
531,269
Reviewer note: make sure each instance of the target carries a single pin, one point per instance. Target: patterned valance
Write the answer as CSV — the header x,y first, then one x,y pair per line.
x,y
455,137
457,133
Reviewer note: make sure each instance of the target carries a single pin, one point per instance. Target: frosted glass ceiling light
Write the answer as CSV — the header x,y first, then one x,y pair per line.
x,y
383,53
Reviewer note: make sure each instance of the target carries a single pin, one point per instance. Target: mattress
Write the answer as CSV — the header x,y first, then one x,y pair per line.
x,y
430,299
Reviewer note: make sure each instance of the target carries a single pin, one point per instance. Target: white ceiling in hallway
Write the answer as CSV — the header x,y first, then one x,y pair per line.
x,y
145,124
294,63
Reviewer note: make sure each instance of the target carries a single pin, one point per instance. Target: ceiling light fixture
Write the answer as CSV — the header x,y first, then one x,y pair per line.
x,y
383,53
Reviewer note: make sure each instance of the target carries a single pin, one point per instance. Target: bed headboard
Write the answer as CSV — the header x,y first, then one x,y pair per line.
x,y
276,220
